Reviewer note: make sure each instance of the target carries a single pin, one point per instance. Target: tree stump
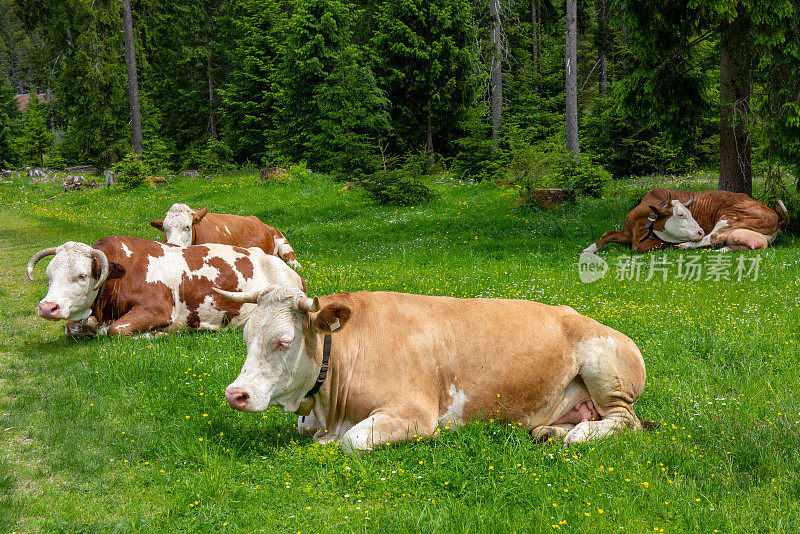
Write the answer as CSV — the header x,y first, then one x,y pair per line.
x,y
153,180
548,199
272,173
78,183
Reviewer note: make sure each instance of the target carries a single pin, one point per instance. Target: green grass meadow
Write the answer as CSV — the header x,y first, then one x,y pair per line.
x,y
134,435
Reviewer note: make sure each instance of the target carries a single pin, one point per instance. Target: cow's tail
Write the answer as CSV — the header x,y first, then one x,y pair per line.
x,y
782,212
648,425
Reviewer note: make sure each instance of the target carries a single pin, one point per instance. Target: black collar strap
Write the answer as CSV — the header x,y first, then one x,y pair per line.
x,y
650,220
97,299
323,371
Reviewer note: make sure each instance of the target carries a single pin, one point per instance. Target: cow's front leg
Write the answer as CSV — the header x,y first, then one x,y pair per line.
x,y
139,320
544,433
307,425
718,235
386,428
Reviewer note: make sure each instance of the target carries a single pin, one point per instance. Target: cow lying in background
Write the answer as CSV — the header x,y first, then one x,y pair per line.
x,y
693,219
184,226
134,285
399,366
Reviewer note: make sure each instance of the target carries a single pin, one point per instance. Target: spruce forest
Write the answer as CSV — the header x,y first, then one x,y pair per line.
x,y
528,91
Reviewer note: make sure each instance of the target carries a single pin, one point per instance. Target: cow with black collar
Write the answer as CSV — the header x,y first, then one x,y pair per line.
x,y
691,219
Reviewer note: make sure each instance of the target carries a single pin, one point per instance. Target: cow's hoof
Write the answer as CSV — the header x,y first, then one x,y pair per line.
x,y
543,434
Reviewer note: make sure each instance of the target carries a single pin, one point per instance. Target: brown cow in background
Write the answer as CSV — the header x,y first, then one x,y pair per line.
x,y
691,219
184,226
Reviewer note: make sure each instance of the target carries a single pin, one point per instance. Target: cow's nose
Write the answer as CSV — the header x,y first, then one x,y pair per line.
x,y
700,233
49,310
237,398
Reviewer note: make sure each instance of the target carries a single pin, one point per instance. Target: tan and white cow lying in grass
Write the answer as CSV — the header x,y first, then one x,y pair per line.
x,y
400,365
132,285
184,226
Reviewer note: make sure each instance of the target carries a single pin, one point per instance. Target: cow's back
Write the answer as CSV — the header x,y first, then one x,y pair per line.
x,y
235,230
709,207
504,356
177,281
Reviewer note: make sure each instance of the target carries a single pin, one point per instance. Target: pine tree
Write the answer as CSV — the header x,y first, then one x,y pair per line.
x,y
423,57
249,115
81,62
36,139
9,126
331,111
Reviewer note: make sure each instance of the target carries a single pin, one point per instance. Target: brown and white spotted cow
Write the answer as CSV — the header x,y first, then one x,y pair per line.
x,y
692,219
184,226
135,285
400,365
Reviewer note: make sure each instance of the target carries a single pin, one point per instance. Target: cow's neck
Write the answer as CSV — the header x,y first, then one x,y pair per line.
x,y
309,401
323,370
661,236
98,305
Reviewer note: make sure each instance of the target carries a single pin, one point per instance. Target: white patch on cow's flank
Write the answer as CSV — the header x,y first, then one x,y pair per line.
x,y
210,317
226,229
128,252
455,412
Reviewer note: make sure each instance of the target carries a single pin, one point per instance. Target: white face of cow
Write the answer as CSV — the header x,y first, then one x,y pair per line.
x,y
277,370
178,225
680,226
70,292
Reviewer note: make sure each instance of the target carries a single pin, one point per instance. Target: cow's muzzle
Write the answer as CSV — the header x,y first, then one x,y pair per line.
x,y
237,398
700,235
50,310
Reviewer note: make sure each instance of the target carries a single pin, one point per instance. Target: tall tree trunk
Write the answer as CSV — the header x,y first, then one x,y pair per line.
x,y
602,48
429,135
497,72
212,114
735,171
572,77
535,36
133,82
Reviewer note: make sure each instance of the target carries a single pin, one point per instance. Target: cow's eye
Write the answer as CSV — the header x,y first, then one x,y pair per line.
x,y
681,216
186,227
283,343
81,277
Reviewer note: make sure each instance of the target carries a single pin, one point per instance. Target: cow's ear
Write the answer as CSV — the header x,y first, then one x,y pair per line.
x,y
331,318
198,215
159,224
115,270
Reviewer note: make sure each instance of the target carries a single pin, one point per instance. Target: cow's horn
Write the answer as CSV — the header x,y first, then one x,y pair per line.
x,y
669,197
38,256
104,270
250,297
690,201
307,304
